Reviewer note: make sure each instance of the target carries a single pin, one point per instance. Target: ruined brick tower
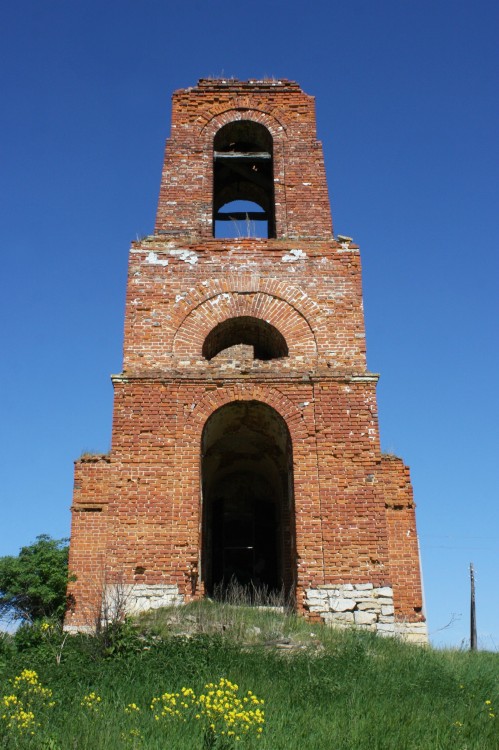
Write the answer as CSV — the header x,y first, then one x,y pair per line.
x,y
245,434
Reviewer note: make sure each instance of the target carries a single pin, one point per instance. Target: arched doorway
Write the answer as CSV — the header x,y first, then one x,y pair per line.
x,y
248,506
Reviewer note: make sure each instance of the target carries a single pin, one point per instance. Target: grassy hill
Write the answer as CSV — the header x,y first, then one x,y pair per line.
x,y
144,685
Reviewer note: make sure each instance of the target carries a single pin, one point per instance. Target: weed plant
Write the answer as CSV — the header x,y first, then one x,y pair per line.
x,y
331,690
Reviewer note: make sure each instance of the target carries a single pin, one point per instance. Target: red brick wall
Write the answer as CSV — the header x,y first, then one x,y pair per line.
x,y
182,283
89,527
396,488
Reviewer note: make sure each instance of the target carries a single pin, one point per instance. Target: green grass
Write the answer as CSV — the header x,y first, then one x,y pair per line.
x,y
326,690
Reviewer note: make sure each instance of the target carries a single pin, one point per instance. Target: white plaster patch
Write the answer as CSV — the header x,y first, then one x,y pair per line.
x,y
250,266
216,300
188,256
153,259
294,255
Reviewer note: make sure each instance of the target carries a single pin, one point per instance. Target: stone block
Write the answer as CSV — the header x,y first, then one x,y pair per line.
x,y
385,591
364,618
386,627
348,594
412,632
346,617
363,596
342,605
316,594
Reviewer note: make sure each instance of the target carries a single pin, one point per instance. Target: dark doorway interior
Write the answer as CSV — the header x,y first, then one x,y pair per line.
x,y
245,538
248,514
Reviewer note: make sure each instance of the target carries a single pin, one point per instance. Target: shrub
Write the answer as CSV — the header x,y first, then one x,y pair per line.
x,y
33,584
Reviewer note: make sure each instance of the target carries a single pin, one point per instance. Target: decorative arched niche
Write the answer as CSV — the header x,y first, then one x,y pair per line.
x,y
243,181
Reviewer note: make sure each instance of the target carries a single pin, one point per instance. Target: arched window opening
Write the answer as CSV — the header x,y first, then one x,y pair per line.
x,y
248,534
266,340
243,172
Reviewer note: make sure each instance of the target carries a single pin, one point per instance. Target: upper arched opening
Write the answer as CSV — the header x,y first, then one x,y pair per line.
x,y
266,340
243,172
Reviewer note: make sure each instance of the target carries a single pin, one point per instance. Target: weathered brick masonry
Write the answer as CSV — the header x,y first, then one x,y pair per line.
x,y
245,433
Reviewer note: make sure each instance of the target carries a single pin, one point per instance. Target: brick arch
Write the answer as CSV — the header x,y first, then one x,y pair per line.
x,y
211,401
242,109
295,329
192,298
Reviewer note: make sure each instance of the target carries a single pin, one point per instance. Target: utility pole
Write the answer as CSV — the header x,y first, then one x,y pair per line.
x,y
472,611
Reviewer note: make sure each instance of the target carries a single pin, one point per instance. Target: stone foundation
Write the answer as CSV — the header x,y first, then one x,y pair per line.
x,y
412,632
364,606
131,599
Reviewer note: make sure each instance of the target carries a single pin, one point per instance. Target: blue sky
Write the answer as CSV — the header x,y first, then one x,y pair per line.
x,y
407,111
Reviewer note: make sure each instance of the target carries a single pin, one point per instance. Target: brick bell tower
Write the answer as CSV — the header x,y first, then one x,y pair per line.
x,y
245,434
